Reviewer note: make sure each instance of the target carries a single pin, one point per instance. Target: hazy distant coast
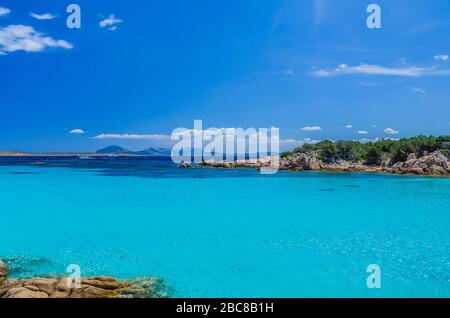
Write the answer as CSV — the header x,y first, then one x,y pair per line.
x,y
56,154
115,151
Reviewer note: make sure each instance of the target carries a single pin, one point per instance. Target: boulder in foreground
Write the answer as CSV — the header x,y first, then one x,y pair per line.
x,y
96,287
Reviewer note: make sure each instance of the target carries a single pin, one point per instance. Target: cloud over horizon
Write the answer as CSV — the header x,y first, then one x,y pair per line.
x,y
311,128
368,69
391,131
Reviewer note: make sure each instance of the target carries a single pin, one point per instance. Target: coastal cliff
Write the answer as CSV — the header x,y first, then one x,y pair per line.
x,y
96,287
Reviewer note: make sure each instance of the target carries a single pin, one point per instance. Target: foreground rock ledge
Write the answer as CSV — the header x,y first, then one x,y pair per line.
x,y
96,287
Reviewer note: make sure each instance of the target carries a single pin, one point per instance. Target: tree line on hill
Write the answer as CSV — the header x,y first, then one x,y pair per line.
x,y
374,153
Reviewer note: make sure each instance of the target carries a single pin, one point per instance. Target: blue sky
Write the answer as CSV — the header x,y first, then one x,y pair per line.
x,y
310,67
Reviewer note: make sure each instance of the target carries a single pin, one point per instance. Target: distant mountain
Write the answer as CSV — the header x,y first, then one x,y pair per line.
x,y
150,152
114,150
163,152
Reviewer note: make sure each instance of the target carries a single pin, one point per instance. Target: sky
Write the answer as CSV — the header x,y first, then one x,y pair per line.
x,y
137,70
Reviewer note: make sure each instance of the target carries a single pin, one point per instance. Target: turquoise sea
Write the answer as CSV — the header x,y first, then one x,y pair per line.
x,y
227,233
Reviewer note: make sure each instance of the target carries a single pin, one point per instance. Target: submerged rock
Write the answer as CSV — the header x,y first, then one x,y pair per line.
x,y
96,287
25,265
3,272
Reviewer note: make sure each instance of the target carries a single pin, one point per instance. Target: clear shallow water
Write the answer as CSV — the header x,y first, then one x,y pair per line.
x,y
228,233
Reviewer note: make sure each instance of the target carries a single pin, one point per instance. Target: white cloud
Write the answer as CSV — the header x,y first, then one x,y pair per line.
x,y
362,132
110,21
311,128
132,136
427,27
113,28
77,131
289,72
44,16
349,126
368,69
25,38
377,84
441,57
391,131
289,144
367,140
4,11
419,90
295,142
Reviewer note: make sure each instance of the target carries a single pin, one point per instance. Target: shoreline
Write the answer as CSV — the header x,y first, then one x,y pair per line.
x,y
429,165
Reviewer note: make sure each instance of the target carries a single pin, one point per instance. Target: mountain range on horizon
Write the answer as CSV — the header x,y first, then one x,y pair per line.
x,y
151,152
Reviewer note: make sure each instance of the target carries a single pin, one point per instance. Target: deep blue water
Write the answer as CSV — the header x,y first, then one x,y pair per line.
x,y
227,233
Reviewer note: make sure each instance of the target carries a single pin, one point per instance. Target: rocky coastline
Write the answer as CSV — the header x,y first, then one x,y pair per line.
x,y
95,287
431,164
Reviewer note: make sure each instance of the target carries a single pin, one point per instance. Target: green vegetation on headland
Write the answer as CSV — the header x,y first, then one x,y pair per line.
x,y
418,155
375,153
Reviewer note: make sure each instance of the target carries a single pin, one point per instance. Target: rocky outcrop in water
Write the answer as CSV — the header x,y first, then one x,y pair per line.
x,y
250,163
301,161
432,164
96,287
185,165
